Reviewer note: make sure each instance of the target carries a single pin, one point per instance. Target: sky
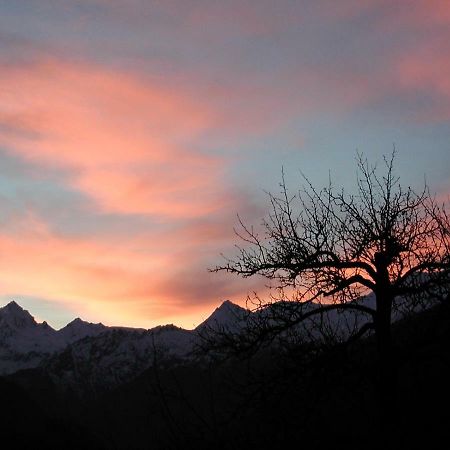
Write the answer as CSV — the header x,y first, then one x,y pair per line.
x,y
133,132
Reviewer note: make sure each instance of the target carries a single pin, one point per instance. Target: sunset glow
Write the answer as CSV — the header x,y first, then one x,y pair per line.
x,y
133,132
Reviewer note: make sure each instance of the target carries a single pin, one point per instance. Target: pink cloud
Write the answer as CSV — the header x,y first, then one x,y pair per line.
x,y
426,72
417,14
410,63
128,142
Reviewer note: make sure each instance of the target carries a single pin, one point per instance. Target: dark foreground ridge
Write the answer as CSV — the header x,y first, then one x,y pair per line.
x,y
273,400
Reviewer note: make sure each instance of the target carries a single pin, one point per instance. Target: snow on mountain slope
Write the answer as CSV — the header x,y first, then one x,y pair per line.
x,y
98,356
95,352
24,343
116,355
78,329
15,318
228,316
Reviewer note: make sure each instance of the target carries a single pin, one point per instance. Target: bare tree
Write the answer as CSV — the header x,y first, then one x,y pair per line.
x,y
330,248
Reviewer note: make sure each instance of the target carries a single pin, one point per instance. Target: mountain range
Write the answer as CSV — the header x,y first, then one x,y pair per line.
x,y
99,355
92,386
92,357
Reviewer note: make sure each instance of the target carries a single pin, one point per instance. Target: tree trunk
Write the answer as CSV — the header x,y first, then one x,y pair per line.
x,y
387,368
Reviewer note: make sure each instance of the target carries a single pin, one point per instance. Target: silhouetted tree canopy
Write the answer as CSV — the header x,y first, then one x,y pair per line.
x,y
329,248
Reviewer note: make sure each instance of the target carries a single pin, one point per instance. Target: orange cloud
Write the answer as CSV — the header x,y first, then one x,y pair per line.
x,y
127,142
105,280
153,277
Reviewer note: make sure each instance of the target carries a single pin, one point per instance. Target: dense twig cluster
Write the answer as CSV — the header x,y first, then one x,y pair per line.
x,y
328,248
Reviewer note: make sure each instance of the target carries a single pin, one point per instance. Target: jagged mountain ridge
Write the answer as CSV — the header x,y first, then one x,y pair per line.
x,y
84,356
26,344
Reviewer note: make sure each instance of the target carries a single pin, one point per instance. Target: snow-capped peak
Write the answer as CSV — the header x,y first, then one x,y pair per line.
x,y
12,305
15,316
228,307
78,329
227,315
76,323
